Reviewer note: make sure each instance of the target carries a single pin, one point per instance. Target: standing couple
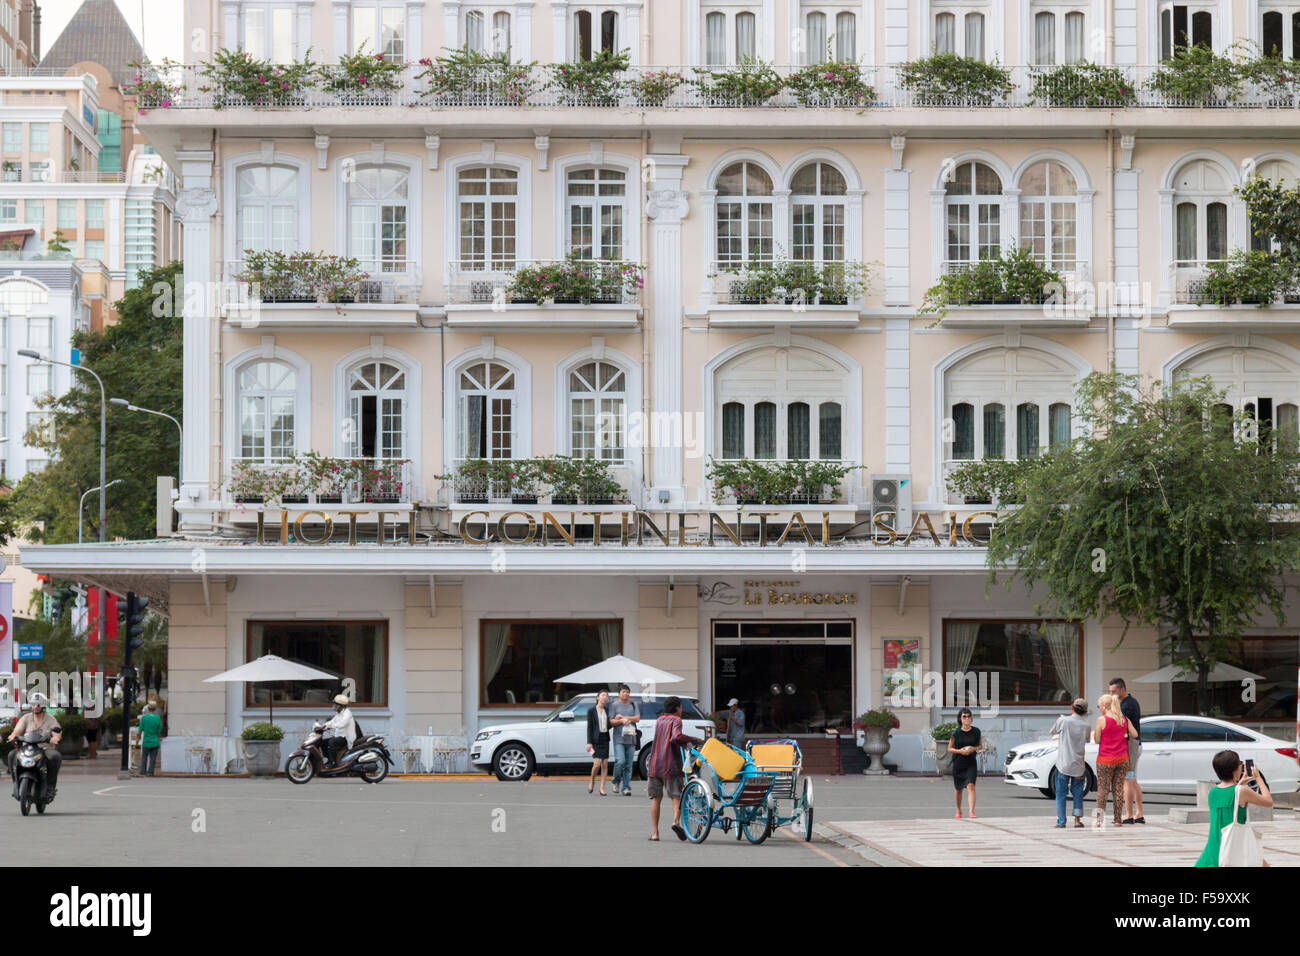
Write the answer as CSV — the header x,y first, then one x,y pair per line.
x,y
613,722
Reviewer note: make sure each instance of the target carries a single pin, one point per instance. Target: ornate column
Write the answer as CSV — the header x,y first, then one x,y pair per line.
x,y
196,204
667,205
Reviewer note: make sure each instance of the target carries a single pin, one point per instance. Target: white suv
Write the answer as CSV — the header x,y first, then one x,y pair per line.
x,y
559,740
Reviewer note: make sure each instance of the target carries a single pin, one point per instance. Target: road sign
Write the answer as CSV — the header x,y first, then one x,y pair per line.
x,y
31,652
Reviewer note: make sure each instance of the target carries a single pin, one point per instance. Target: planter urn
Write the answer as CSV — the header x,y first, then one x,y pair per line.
x,y
875,745
262,757
942,759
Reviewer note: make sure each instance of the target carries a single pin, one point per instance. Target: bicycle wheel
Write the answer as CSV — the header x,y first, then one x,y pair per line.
x,y
756,823
697,815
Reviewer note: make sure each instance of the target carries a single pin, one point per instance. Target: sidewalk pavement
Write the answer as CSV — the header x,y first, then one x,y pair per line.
x,y
1035,841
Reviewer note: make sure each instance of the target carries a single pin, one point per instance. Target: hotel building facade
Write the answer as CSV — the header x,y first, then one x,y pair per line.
x,y
453,598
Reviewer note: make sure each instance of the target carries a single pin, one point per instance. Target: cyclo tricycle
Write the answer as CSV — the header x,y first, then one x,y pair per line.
x,y
730,788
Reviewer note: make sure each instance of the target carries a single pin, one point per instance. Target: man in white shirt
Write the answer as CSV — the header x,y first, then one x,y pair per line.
x,y
345,727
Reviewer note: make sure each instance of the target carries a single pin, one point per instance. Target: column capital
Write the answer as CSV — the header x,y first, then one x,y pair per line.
x,y
667,205
196,203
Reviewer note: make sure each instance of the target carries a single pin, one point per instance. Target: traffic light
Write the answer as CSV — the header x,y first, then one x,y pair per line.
x,y
137,609
61,598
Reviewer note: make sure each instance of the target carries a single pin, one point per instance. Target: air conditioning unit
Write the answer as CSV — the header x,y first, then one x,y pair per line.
x,y
891,498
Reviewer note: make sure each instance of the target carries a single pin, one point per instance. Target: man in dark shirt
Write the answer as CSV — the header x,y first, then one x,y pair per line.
x,y
666,766
1129,706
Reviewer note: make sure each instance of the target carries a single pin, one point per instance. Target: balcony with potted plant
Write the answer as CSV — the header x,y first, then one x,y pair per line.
x,y
573,292
797,292
1256,288
556,483
1010,288
268,289
314,482
783,487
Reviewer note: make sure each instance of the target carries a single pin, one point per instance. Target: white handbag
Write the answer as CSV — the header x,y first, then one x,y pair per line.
x,y
1240,844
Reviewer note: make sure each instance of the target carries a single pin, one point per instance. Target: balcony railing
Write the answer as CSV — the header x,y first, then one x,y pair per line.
x,y
524,281
379,288
516,482
793,284
321,481
186,87
768,481
17,174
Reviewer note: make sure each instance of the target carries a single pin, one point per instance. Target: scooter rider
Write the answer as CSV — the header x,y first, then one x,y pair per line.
x,y
38,721
345,727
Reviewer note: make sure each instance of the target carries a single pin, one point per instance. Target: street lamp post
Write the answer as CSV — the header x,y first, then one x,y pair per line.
x,y
149,411
103,461
82,504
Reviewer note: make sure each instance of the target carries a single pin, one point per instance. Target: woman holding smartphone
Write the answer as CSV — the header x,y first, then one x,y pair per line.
x,y
598,741
964,744
1238,783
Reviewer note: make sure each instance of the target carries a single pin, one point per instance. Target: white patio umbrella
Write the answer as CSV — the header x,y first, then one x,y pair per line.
x,y
1179,674
269,667
620,670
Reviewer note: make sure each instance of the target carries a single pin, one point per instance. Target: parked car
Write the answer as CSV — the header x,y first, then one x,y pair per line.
x,y
1176,753
558,741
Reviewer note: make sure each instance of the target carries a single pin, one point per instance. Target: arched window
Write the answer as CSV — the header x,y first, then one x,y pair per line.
x,y
780,404
597,411
730,34
268,398
379,28
744,214
1058,36
959,30
1186,24
17,296
266,208
594,32
1008,403
817,213
1278,171
598,213
378,217
815,36
487,199
1201,196
1280,30
475,31
973,212
846,36
487,404
1258,381
1049,215
377,410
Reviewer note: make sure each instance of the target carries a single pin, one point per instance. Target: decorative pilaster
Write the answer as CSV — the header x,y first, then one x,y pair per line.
x,y
1168,271
559,31
196,204
341,9
667,205
898,272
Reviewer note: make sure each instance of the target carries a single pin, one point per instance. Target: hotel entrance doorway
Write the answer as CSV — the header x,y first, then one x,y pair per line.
x,y
791,677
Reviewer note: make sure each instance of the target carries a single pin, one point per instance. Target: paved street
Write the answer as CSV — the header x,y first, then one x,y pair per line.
x,y
422,822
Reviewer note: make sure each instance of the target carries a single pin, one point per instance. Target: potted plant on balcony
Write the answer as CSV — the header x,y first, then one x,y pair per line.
x,y
1014,277
1274,77
819,481
655,87
1253,277
324,477
946,79
833,83
564,476
237,78
247,484
875,726
363,78
599,486
599,81
469,78
262,748
1082,85
1197,76
518,477
751,83
147,88
379,482
941,734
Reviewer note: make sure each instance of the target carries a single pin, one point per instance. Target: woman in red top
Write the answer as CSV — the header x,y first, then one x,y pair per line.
x,y
1111,734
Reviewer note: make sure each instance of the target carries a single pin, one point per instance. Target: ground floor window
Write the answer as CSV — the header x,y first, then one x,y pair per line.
x,y
791,677
1034,661
520,660
350,649
1275,659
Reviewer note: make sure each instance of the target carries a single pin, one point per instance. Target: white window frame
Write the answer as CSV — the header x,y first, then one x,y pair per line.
x,y
302,403
696,33
523,206
412,397
264,427
519,40
863,13
1047,201
632,198
299,26
378,265
1287,8
1202,198
233,164
521,407
1060,9
974,201
631,369
748,221
377,10
597,12
598,395
820,203
343,232
1289,168
960,11
1221,29
994,25
1277,379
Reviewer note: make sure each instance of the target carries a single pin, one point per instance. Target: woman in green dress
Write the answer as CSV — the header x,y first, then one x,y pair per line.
x,y
1233,785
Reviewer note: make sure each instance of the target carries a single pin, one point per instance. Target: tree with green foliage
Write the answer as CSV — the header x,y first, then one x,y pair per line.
x,y
1164,512
139,359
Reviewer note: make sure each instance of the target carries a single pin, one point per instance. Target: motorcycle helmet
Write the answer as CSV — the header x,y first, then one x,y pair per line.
x,y
341,700
38,700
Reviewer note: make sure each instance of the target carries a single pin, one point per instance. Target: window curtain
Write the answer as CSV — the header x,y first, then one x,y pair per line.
x,y
1063,644
608,632
745,36
961,645
975,36
474,31
828,436
945,33
733,430
474,426
995,431
797,435
1074,38
715,29
765,430
816,37
1045,39
1216,231
1058,426
1185,232
1027,430
846,37
496,640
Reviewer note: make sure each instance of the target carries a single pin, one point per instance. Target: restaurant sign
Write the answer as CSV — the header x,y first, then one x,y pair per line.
x,y
625,528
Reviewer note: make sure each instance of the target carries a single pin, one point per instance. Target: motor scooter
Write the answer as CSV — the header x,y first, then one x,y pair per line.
x,y
31,773
367,758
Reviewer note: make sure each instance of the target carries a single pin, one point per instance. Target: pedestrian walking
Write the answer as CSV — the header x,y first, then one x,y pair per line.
x,y
1111,734
964,744
735,724
666,766
598,741
1234,786
1071,731
1129,706
150,728
92,737
625,737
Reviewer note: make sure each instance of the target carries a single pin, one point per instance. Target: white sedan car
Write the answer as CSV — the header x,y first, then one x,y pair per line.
x,y
1176,753
559,740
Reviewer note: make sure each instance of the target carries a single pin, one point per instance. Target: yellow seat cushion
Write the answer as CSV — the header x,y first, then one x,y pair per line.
x,y
772,755
726,763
